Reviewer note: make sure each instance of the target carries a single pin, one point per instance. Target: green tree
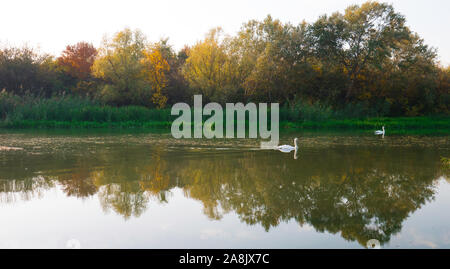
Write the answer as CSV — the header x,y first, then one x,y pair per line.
x,y
177,89
25,71
272,57
362,36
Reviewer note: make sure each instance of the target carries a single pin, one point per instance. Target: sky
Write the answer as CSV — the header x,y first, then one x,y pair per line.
x,y
52,25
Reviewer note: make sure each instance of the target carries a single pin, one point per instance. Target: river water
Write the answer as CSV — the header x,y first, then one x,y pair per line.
x,y
105,189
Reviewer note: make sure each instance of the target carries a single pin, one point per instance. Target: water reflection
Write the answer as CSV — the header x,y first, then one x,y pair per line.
x,y
360,192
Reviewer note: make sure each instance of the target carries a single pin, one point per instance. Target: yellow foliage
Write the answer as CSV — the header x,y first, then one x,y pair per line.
x,y
209,67
155,68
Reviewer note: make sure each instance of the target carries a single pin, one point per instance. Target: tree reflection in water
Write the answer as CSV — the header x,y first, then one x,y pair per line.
x,y
359,192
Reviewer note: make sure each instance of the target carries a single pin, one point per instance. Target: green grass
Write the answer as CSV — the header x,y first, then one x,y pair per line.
x,y
75,112
392,125
70,111
417,125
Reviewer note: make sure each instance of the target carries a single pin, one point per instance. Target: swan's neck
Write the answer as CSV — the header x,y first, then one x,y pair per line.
x,y
295,143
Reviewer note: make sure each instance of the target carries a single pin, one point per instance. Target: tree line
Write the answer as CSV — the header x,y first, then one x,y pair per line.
x,y
365,57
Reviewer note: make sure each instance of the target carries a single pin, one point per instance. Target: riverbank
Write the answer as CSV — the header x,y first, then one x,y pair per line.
x,y
393,125
76,112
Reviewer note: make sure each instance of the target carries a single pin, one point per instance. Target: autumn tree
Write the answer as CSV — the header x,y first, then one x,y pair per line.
x,y
155,71
119,66
209,69
76,62
78,59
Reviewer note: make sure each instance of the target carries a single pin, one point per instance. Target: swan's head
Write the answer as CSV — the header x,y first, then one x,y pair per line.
x,y
295,142
383,128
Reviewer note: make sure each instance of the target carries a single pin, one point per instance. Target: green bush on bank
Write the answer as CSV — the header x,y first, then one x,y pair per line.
x,y
66,111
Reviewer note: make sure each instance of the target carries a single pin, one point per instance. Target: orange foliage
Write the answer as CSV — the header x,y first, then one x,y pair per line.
x,y
156,67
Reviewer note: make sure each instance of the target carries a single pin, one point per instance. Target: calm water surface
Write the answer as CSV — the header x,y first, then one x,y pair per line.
x,y
141,190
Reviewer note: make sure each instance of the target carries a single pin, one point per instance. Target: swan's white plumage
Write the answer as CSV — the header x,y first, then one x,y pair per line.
x,y
380,132
288,148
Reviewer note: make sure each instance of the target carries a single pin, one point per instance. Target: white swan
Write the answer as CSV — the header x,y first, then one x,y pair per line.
x,y
380,132
288,148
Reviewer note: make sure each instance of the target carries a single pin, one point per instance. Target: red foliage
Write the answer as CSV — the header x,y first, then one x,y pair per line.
x,y
78,59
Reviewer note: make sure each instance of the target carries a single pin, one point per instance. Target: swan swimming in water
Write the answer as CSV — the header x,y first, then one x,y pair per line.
x,y
380,132
288,148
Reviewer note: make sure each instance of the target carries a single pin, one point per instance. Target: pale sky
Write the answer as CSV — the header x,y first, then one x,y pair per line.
x,y
51,25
